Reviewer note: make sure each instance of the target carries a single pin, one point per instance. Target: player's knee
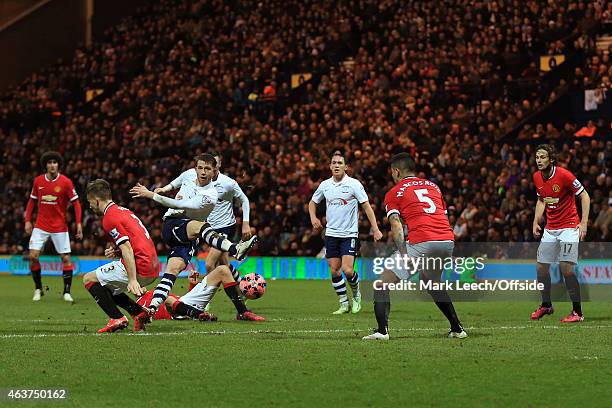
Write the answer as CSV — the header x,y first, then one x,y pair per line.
x,y
223,271
210,265
34,255
66,259
88,278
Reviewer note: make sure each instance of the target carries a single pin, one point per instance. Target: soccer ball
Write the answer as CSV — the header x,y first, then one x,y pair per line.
x,y
253,286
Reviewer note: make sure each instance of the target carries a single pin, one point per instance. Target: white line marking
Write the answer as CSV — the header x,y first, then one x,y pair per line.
x,y
289,332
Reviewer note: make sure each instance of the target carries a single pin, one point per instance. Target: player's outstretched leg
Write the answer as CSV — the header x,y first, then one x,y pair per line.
x,y
104,299
220,242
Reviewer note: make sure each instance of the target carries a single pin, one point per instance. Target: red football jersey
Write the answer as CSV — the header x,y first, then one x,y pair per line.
x,y
559,195
53,197
421,207
161,313
121,225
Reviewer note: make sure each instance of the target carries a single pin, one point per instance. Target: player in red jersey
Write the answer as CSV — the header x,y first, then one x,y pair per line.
x,y
418,204
557,189
53,192
138,265
186,307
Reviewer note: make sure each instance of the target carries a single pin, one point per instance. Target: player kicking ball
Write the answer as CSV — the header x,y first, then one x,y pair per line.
x,y
418,204
557,189
184,226
343,195
138,265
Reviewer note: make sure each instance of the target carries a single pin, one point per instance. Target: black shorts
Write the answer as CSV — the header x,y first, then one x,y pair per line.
x,y
229,232
174,234
337,247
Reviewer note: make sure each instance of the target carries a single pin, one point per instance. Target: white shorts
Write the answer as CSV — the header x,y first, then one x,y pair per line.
x,y
429,256
559,246
61,240
200,295
113,276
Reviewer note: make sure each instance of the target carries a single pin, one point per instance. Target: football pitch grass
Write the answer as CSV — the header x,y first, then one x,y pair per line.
x,y
303,356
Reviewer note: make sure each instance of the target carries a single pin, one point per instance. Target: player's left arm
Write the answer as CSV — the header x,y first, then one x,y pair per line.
x,y
397,233
127,254
78,210
367,208
585,203
362,198
246,209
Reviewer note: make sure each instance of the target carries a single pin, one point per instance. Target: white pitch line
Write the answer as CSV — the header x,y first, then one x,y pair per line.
x,y
271,331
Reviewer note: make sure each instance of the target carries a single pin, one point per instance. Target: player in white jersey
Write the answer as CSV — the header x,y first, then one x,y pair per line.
x,y
222,217
343,195
185,224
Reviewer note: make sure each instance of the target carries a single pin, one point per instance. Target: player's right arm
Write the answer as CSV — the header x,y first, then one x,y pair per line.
x,y
312,209
195,203
537,219
30,208
127,254
397,233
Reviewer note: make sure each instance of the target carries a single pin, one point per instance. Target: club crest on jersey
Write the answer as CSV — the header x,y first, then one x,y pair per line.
x,y
346,189
114,233
57,189
556,188
207,200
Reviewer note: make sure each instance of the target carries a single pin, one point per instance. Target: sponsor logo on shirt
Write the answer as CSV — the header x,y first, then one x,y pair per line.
x,y
337,201
551,200
49,197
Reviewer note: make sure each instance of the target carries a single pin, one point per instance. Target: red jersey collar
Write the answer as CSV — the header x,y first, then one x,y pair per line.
x,y
109,205
58,174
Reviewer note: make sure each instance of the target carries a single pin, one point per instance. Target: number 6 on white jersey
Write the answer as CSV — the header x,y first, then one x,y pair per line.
x,y
422,196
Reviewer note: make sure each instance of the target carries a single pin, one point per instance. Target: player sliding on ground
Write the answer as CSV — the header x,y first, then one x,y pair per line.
x,y
342,195
185,224
193,303
418,204
138,266
557,189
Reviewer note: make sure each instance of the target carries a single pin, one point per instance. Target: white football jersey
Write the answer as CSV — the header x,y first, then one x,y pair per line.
x,y
223,214
200,200
342,201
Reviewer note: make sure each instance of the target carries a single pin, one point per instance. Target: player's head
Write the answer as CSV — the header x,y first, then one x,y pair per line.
x,y
205,165
217,157
51,162
99,195
402,165
337,164
545,156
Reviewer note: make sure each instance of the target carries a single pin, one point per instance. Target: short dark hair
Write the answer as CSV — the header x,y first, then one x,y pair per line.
x,y
404,162
337,152
51,155
206,158
99,188
550,149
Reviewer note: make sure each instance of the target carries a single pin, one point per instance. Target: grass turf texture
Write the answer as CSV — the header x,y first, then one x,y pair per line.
x,y
303,356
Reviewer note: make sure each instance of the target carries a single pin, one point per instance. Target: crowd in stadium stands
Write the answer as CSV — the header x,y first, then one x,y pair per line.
x,y
443,81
